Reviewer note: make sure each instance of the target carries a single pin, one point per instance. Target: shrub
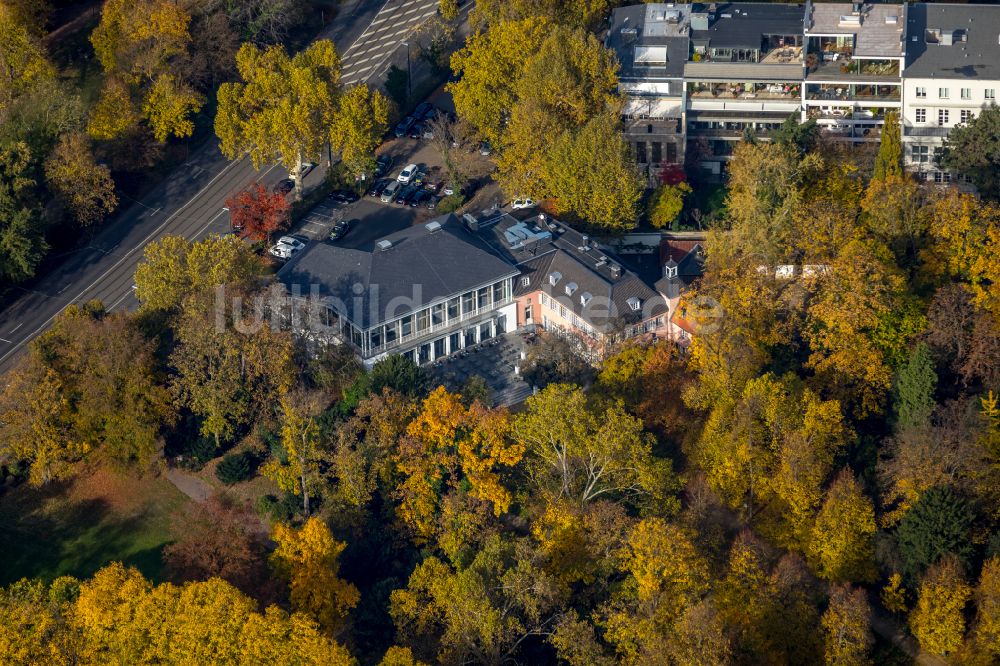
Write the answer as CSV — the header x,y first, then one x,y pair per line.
x,y
451,203
236,467
276,509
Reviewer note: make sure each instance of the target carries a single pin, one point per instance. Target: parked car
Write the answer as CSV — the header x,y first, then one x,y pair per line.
x,y
421,109
429,114
408,174
378,187
284,186
287,247
405,194
382,165
432,203
417,130
344,196
419,197
307,168
522,203
403,128
340,229
391,190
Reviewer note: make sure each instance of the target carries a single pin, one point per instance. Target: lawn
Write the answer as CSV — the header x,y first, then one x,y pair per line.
x,y
77,526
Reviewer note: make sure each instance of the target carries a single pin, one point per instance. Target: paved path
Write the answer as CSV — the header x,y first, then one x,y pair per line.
x,y
892,631
189,484
189,202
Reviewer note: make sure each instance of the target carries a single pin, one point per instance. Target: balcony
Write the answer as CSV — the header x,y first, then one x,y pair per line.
x,y
853,93
732,91
434,330
848,69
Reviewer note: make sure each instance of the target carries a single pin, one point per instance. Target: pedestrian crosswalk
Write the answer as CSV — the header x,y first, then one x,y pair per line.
x,y
377,44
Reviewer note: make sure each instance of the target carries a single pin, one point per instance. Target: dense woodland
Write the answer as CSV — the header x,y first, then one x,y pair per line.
x,y
821,462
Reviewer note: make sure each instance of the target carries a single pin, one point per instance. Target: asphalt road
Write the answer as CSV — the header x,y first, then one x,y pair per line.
x,y
190,201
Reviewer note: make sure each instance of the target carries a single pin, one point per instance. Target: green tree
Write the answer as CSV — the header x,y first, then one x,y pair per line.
x,y
297,468
361,120
973,149
939,524
283,109
398,373
798,135
914,389
22,239
889,160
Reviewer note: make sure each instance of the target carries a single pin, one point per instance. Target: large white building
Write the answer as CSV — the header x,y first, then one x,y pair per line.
x,y
952,72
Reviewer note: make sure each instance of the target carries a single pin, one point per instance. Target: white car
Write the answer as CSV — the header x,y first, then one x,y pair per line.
x,y
525,202
408,174
287,247
307,168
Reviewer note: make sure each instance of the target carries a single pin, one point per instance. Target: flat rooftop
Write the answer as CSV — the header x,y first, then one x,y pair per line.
x,y
953,41
745,24
650,40
878,29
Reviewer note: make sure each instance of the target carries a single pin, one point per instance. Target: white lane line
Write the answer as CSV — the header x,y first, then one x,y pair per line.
x,y
6,340
364,33
17,327
115,304
118,263
209,223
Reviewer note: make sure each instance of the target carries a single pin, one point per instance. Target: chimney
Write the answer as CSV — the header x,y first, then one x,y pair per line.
x,y
616,271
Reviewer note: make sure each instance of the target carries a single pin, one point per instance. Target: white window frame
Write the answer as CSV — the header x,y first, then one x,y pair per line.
x,y
943,117
990,93
965,115
944,93
921,91
920,115
966,93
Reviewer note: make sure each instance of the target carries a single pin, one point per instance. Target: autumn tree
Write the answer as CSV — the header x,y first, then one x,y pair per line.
x,y
256,213
667,203
360,122
965,338
84,185
574,13
23,61
139,43
481,611
938,619
174,268
986,628
491,64
578,452
297,468
973,149
895,212
847,627
218,538
889,160
842,543
308,559
283,108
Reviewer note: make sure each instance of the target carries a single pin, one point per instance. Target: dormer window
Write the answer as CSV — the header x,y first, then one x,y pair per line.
x,y
554,278
670,269
634,303
525,281
585,298
570,288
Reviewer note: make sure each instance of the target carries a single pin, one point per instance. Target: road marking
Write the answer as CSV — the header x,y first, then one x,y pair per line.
x,y
118,263
209,223
115,304
6,340
17,327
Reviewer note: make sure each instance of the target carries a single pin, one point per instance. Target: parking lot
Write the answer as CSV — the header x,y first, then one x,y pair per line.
x,y
371,219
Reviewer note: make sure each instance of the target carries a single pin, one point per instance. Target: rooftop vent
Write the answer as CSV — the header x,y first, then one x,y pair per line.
x,y
471,222
432,226
554,278
602,261
851,20
570,288
947,38
384,244
891,20
699,21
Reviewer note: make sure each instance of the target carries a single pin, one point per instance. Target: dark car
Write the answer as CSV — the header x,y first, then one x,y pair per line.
x,y
378,187
421,109
382,165
429,114
417,131
432,203
340,229
406,194
344,196
283,186
419,197
403,128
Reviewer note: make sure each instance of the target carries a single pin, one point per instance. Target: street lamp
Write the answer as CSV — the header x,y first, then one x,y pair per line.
x,y
409,88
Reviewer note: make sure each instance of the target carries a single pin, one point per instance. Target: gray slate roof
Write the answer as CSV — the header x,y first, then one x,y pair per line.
x,y
440,264
976,58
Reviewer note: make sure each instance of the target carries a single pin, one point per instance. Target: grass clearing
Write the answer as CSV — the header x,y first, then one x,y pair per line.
x,y
77,526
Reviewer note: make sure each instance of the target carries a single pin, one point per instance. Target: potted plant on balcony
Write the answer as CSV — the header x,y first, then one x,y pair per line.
x,y
812,62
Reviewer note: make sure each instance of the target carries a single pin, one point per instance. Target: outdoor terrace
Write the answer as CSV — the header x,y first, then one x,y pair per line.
x,y
850,92
736,91
848,68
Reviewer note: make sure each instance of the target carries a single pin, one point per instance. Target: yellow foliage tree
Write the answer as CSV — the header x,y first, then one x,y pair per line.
x,y
846,627
842,546
307,558
358,126
986,630
938,619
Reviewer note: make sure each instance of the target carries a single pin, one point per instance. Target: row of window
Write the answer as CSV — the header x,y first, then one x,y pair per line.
x,y
922,154
966,93
944,115
566,314
657,152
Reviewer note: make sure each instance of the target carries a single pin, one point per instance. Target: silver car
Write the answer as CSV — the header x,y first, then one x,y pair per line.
x,y
390,192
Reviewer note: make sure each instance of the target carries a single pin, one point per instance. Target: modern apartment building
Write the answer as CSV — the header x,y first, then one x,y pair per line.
x,y
651,42
748,66
854,63
952,72
744,74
